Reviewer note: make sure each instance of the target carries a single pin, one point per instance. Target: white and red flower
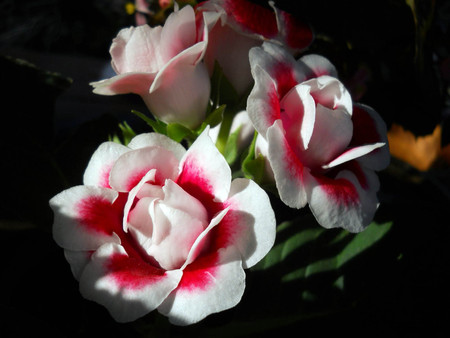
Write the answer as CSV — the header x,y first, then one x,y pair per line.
x,y
323,149
164,66
157,227
235,26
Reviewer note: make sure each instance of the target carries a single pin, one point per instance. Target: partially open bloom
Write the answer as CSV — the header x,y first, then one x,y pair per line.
x,y
237,25
323,149
164,66
157,227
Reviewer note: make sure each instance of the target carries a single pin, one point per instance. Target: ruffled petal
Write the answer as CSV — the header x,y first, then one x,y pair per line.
x,y
347,201
86,217
101,162
204,173
287,168
126,285
129,169
210,284
249,225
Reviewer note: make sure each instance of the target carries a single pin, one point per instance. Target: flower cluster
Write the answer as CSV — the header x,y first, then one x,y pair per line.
x,y
160,224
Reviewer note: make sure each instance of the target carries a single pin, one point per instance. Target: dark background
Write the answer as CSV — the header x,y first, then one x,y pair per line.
x,y
51,123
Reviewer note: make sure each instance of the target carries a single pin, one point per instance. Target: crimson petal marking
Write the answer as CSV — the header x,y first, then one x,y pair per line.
x,y
347,201
263,103
205,174
198,245
86,217
127,286
299,115
287,168
249,225
297,35
210,284
129,169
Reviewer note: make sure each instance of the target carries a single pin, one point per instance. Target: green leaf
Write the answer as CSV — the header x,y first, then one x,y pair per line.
x,y
253,166
157,125
353,246
231,148
178,132
213,118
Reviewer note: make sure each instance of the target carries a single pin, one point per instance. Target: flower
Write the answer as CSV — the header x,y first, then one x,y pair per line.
x,y
164,66
237,25
323,149
157,227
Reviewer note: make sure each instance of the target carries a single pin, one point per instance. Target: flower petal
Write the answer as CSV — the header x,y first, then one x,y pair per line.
x,y
263,103
136,83
287,168
126,285
316,65
204,173
129,169
178,33
159,140
101,162
85,218
250,223
370,128
347,201
77,260
137,50
210,284
353,153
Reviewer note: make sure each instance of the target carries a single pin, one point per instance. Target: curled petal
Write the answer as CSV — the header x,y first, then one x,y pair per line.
x,y
126,285
136,83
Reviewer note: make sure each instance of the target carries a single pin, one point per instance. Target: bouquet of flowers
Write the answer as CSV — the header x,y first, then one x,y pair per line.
x,y
255,150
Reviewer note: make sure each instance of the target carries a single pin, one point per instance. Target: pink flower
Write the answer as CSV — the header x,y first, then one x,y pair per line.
x,y
157,227
164,66
322,148
238,25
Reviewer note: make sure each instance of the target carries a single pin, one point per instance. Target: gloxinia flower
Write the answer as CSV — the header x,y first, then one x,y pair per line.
x,y
237,25
164,66
322,148
157,227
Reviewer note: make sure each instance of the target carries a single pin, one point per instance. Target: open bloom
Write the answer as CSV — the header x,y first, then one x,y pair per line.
x,y
235,26
157,227
164,66
322,148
